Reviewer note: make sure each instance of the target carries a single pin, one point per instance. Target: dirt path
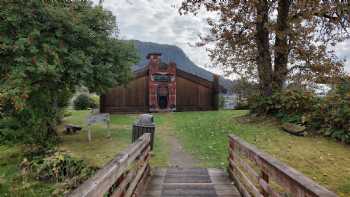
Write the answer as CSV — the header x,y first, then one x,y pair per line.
x,y
178,156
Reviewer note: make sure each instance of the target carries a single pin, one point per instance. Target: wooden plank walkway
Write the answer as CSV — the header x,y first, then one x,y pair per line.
x,y
186,182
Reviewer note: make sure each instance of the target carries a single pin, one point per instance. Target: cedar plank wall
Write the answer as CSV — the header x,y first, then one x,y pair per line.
x,y
130,99
193,93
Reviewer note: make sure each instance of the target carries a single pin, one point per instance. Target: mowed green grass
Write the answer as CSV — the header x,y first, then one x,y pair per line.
x,y
204,134
12,184
103,149
97,153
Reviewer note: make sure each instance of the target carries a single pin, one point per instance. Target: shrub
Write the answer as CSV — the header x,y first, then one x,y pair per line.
x,y
262,105
329,115
288,105
242,105
297,101
10,131
58,167
83,102
96,99
332,116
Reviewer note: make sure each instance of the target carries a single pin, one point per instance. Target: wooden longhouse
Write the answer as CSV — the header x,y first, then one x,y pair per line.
x,y
164,80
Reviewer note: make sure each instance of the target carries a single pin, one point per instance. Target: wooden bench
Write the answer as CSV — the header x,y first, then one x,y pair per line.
x,y
70,129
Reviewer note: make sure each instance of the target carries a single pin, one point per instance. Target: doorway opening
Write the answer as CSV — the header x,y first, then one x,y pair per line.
x,y
163,97
163,102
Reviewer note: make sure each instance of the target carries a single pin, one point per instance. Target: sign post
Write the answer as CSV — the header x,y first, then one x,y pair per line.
x,y
96,118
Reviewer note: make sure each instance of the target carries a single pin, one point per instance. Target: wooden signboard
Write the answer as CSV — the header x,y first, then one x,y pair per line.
x,y
98,118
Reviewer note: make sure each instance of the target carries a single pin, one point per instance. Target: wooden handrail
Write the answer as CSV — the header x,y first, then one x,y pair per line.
x,y
123,176
256,180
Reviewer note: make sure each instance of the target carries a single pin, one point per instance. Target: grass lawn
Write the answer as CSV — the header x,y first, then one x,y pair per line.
x,y
203,135
103,149
97,153
12,183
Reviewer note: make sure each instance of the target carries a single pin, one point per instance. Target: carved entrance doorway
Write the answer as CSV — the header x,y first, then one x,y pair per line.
x,y
163,96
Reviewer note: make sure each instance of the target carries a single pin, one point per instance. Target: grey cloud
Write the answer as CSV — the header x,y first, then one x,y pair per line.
x,y
343,51
161,15
181,25
159,21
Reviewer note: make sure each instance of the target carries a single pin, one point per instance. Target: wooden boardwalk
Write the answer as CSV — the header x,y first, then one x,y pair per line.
x,y
128,175
186,182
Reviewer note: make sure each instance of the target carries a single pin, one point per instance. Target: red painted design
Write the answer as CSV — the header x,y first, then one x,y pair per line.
x,y
162,84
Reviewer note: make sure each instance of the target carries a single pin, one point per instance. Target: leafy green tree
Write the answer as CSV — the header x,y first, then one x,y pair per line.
x,y
47,49
343,88
83,102
244,89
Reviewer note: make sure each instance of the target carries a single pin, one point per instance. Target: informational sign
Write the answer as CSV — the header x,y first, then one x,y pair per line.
x,y
98,118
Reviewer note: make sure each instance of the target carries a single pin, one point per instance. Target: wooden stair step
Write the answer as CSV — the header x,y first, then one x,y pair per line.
x,y
186,182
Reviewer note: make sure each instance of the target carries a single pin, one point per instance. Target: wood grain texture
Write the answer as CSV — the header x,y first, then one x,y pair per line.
x,y
207,183
271,169
128,166
130,98
192,94
244,180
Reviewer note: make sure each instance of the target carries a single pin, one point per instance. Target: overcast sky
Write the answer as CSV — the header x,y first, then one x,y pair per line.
x,y
159,21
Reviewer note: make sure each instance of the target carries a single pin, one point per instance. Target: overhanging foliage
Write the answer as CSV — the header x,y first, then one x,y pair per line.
x,y
47,49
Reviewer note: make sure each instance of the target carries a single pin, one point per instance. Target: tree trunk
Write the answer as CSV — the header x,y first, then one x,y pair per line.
x,y
281,45
263,58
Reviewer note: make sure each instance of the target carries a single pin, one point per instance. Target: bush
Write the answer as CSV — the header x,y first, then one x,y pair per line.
x,y
58,167
329,115
242,105
332,116
9,131
262,105
288,105
96,99
83,102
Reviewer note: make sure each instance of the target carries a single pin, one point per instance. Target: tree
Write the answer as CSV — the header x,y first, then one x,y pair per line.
x,y
47,49
244,90
276,40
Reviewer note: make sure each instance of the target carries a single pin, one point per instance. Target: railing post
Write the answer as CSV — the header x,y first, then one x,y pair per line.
x,y
265,177
230,156
125,175
251,182
144,124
